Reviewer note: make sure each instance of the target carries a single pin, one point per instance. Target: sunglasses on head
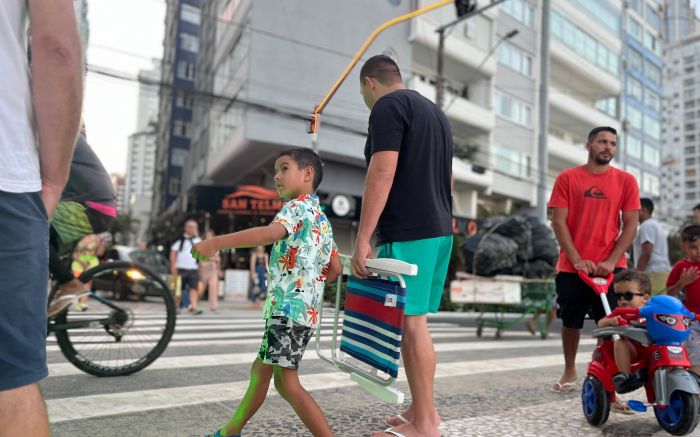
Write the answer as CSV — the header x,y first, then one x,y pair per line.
x,y
627,295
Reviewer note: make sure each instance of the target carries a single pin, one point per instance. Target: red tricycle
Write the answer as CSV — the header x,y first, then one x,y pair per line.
x,y
660,329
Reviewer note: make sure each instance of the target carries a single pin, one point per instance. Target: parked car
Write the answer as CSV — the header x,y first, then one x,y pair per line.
x,y
126,285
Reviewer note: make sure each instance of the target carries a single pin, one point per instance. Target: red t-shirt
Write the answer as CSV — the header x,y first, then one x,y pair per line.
x,y
595,203
692,291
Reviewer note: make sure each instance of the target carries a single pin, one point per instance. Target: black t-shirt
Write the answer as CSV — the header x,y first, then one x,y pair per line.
x,y
88,180
420,201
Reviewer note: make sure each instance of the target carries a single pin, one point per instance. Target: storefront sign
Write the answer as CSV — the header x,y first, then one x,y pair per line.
x,y
251,200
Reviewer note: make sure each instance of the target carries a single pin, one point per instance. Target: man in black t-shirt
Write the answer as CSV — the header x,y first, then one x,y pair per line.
x,y
408,201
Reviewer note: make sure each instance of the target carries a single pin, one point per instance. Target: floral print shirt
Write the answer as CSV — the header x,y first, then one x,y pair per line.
x,y
299,262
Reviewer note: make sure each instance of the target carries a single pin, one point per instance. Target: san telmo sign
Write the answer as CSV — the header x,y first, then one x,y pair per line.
x,y
251,200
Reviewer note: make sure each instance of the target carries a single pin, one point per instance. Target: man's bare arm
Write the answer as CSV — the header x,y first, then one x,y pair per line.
x,y
57,90
645,256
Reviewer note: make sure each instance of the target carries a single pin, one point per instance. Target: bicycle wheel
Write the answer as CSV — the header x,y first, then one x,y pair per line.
x,y
111,337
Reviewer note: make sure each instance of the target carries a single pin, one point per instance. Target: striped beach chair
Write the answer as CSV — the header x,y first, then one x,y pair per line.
x,y
372,327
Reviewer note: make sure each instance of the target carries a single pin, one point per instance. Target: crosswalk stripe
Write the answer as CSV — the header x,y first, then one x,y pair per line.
x,y
254,339
189,361
84,407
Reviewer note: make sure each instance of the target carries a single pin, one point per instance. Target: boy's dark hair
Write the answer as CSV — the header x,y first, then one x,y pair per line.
x,y
647,204
696,207
632,275
306,158
599,129
381,68
690,233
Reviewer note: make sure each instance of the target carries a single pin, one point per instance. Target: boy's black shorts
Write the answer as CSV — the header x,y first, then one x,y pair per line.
x,y
575,299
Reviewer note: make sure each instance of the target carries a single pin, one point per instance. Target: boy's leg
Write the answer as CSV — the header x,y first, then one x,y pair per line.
x,y
289,387
260,375
623,355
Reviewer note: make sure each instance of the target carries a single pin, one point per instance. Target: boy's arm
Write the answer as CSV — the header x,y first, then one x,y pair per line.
x,y
608,321
260,236
680,280
335,268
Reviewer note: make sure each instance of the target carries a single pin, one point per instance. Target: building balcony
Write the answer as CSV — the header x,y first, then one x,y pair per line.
x,y
461,110
566,152
580,75
471,175
575,115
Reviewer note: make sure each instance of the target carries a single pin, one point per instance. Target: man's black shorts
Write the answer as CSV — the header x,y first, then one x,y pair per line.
x,y
575,299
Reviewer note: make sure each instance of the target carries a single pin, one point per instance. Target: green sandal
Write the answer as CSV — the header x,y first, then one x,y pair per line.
x,y
218,434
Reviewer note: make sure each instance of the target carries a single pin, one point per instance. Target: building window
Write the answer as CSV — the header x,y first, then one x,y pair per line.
x,y
650,184
635,60
634,116
184,100
178,157
652,72
636,5
652,127
191,14
689,162
601,12
652,17
511,161
189,42
182,128
520,10
174,186
185,70
634,88
634,147
634,28
634,171
609,106
689,150
513,109
584,44
652,100
689,196
515,58
651,155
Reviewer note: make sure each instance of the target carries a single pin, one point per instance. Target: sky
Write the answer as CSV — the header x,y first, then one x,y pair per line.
x,y
124,36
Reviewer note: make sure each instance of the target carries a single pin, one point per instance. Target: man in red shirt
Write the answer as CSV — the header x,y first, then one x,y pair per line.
x,y
684,276
587,205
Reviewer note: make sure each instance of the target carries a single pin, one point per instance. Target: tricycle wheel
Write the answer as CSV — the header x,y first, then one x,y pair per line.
x,y
680,416
595,401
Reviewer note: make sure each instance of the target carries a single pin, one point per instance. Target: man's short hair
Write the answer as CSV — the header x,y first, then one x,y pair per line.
x,y
381,68
632,275
599,129
306,158
690,233
696,207
647,204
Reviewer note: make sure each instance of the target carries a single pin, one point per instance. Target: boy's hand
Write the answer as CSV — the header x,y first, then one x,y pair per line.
x,y
689,275
203,250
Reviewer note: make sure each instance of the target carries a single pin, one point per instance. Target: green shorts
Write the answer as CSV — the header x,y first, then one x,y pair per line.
x,y
432,256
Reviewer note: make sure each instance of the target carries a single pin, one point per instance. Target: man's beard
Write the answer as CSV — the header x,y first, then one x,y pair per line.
x,y
602,161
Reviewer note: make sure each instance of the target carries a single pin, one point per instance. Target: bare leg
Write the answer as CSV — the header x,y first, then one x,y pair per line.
x,y
288,385
624,354
213,292
569,340
260,375
419,363
194,299
23,412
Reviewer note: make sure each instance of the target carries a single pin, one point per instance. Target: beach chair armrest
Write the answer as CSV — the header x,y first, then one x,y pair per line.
x,y
391,266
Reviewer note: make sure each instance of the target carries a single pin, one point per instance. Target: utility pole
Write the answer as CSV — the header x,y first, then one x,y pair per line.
x,y
465,9
543,161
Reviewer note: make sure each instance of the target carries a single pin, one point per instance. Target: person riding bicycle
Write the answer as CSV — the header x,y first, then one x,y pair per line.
x,y
87,206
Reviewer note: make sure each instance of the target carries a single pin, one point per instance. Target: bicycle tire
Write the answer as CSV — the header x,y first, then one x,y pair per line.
x,y
91,366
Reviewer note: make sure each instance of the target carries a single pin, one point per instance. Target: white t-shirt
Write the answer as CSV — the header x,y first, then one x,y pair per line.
x,y
19,157
650,231
184,257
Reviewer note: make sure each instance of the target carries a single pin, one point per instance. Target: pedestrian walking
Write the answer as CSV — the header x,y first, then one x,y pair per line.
x,y
259,261
209,275
183,265
650,249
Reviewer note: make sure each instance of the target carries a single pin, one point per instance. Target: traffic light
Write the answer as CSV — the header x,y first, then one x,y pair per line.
x,y
465,7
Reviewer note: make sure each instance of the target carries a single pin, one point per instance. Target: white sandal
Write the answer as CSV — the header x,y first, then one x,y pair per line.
x,y
402,419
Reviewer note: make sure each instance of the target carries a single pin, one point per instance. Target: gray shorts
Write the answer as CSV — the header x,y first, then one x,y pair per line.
x,y
284,342
24,276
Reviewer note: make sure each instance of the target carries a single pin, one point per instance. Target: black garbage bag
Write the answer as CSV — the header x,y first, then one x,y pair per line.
x,y
544,244
495,254
538,269
492,221
518,229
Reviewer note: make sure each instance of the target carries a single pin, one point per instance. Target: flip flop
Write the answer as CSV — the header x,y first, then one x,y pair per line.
x,y
392,432
399,417
218,434
563,388
621,408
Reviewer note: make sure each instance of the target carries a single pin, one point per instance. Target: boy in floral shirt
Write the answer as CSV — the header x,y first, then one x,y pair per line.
x,y
303,259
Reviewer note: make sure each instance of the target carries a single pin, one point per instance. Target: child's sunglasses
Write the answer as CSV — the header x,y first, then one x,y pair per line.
x,y
628,295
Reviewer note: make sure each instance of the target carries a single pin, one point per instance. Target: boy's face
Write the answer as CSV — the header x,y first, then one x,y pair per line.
x,y
291,181
692,250
626,289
